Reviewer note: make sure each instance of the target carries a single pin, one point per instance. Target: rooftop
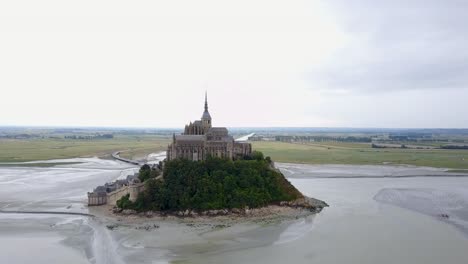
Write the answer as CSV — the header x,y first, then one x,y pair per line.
x,y
189,137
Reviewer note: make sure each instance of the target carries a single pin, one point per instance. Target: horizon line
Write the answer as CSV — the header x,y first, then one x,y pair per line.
x,y
234,127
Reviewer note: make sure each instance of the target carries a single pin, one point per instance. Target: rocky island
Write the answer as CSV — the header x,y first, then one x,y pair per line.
x,y
216,187
208,173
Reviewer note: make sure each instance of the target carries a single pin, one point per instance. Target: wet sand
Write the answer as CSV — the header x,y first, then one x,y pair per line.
x,y
362,171
370,220
42,239
42,248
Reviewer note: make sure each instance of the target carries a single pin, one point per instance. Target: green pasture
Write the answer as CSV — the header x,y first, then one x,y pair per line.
x,y
17,150
361,153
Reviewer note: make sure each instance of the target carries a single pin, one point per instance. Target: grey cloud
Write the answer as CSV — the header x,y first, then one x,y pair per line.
x,y
399,45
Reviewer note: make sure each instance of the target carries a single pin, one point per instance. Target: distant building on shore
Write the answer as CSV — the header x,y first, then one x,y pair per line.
x,y
200,140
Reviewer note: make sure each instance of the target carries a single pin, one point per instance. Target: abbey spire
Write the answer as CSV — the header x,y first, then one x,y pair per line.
x,y
206,101
206,117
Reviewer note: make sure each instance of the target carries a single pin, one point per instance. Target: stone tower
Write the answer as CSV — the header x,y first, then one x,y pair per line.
x,y
206,117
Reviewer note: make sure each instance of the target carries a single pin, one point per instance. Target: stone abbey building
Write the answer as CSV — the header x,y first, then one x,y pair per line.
x,y
200,140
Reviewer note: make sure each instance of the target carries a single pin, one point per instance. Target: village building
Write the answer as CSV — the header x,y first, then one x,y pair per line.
x,y
111,192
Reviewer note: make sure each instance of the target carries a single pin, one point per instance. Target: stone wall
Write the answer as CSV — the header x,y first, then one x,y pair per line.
x,y
133,190
96,199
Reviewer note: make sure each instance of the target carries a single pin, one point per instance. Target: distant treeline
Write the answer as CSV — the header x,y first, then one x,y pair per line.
x,y
100,136
413,139
34,136
322,139
454,147
393,146
409,136
419,147
378,146
21,136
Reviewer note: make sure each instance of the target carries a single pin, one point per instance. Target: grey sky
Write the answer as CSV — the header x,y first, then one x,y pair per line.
x,y
264,63
400,45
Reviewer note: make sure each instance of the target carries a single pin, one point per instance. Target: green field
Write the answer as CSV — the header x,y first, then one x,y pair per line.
x,y
17,150
361,153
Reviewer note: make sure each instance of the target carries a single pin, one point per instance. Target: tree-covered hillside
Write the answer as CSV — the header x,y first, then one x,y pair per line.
x,y
215,184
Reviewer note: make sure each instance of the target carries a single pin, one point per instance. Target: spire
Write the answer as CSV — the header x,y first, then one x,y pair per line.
x,y
206,114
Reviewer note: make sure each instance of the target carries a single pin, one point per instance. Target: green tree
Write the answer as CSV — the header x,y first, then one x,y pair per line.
x,y
144,172
215,184
257,155
125,202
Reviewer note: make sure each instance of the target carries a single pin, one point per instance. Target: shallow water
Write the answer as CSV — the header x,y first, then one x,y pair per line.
x,y
370,220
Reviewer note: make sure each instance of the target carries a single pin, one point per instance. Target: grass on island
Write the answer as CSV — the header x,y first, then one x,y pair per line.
x,y
19,150
360,153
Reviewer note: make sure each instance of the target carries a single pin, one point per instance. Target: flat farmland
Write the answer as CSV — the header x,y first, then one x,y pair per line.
x,y
18,150
361,153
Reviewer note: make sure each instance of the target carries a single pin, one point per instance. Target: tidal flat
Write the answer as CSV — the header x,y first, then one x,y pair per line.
x,y
374,219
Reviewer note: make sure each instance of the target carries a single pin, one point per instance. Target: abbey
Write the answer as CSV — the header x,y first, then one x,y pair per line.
x,y
201,140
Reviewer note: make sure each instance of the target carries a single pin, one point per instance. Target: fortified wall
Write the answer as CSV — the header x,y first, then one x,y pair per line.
x,y
95,199
110,193
133,190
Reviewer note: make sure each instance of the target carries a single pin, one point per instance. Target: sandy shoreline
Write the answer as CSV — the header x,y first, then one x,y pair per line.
x,y
271,213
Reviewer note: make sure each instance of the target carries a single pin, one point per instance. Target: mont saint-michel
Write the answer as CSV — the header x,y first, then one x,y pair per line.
x,y
206,172
217,132
201,140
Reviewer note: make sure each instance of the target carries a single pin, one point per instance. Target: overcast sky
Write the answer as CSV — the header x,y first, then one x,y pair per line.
x,y
331,63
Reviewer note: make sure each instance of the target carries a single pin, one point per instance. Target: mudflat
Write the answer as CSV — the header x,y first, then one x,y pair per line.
x,y
377,215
